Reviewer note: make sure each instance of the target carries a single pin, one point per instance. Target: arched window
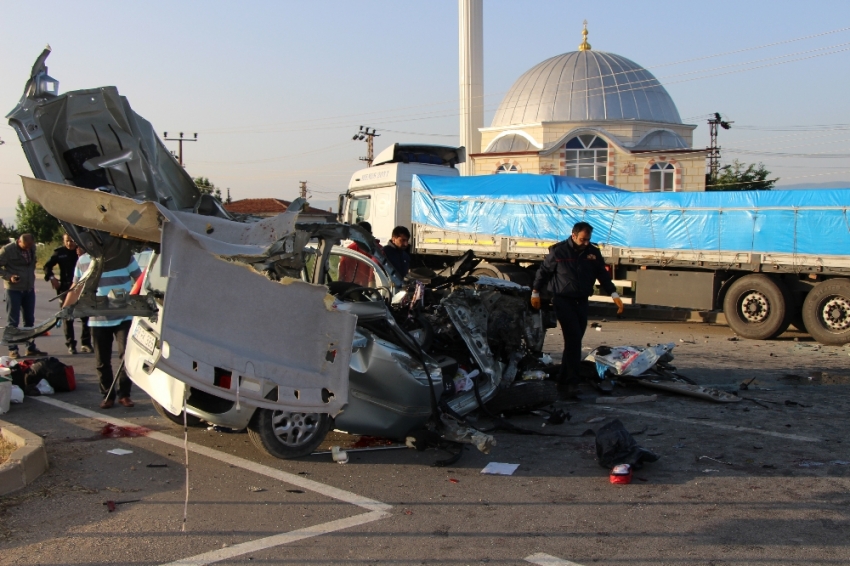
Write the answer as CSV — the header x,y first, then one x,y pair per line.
x,y
661,176
507,168
587,158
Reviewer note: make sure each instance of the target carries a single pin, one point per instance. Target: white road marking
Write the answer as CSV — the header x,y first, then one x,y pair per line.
x,y
721,426
277,540
377,510
548,560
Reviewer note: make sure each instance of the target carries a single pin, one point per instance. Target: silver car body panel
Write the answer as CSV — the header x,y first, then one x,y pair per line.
x,y
282,345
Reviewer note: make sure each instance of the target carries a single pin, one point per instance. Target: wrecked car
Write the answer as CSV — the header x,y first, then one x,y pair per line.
x,y
248,324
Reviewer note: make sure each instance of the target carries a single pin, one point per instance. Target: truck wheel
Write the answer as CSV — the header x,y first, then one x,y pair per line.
x,y
826,312
523,397
756,307
288,435
191,420
506,271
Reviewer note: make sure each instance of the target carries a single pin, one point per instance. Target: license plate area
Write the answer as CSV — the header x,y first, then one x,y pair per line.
x,y
144,338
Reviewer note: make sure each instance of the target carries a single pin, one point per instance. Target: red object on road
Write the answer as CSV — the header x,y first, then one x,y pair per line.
x,y
621,474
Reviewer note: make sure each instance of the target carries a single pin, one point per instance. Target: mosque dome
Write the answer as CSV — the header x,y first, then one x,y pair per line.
x,y
586,85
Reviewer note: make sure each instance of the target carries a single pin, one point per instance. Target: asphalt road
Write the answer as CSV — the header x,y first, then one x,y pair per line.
x,y
777,489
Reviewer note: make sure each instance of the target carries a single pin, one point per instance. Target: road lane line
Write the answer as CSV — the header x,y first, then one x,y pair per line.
x,y
302,482
278,540
720,425
542,559
377,510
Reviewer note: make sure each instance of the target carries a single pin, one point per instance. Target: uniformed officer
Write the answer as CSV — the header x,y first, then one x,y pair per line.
x,y
570,271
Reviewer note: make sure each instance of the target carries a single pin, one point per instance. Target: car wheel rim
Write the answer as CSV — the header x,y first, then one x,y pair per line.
x,y
754,307
294,429
835,313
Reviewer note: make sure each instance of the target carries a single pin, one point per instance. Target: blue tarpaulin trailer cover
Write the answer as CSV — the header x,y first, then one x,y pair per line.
x,y
545,207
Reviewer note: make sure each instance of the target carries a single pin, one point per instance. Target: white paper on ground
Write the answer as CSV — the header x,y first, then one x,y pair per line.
x,y
500,469
120,451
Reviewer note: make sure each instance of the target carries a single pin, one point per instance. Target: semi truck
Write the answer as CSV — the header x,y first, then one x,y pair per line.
x,y
765,259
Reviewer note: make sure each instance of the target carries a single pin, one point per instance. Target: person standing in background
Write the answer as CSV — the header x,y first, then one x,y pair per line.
x,y
65,257
17,268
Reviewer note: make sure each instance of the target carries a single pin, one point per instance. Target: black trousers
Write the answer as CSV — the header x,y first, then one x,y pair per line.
x,y
68,325
70,339
572,316
102,338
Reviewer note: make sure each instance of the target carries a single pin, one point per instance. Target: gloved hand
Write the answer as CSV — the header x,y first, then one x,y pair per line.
x,y
619,302
535,300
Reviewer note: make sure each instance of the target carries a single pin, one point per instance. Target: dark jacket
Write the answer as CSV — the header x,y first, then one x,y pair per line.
x,y
66,260
571,273
399,258
12,262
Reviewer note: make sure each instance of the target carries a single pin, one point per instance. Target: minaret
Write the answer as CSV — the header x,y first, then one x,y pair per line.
x,y
471,54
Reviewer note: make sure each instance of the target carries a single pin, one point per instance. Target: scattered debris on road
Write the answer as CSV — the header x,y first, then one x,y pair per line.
x,y
500,469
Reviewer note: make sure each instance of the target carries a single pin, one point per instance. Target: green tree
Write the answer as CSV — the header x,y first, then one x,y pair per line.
x,y
33,219
6,232
741,177
205,186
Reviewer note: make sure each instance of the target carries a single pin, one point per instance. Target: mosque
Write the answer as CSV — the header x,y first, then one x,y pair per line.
x,y
593,115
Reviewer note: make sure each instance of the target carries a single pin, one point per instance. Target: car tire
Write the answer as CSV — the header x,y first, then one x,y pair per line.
x,y
756,307
523,397
191,420
826,312
288,435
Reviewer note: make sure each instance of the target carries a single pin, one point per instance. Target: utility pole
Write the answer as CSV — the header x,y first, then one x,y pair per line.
x,y
179,141
714,149
303,186
369,136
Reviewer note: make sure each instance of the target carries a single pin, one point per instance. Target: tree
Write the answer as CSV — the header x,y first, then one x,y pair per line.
x,y
6,232
204,185
741,177
33,219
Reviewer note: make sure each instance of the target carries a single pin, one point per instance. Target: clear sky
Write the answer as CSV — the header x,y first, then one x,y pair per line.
x,y
276,89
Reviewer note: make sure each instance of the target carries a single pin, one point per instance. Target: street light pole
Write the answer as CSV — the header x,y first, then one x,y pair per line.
x,y
369,135
179,141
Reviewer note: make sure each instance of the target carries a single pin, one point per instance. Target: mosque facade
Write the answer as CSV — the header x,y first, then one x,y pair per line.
x,y
593,115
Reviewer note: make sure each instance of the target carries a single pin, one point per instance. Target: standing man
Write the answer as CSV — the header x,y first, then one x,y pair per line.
x,y
570,271
108,329
396,250
17,268
65,257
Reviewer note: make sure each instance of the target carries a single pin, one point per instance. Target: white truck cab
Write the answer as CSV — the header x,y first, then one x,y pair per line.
x,y
380,194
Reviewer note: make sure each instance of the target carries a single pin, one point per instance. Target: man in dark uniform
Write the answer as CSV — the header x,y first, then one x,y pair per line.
x,y
570,271
65,257
396,250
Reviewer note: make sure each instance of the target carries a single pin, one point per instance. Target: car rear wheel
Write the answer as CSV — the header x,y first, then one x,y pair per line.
x,y
826,312
191,420
756,307
288,435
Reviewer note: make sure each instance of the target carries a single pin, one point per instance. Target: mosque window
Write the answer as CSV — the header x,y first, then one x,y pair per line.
x,y
587,158
661,177
507,168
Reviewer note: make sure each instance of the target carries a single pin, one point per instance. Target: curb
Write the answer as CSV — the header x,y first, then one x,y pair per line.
x,y
26,463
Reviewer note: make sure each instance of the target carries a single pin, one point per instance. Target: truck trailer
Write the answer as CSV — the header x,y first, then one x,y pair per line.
x,y
766,259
